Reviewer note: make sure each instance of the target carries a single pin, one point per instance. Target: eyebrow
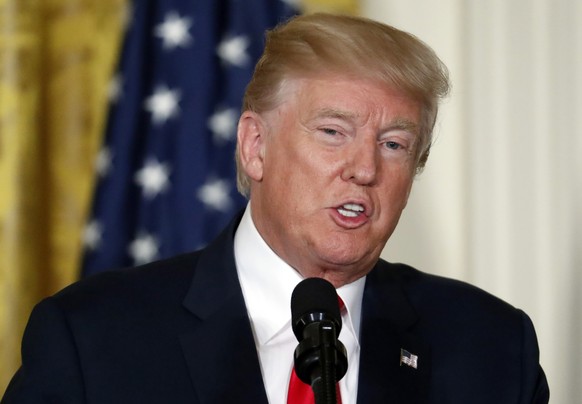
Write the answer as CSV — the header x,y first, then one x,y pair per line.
x,y
398,123
334,113
406,125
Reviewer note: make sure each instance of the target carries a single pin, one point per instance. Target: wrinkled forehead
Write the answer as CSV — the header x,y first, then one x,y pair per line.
x,y
349,98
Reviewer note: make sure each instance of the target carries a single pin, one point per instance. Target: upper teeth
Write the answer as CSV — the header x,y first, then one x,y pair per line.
x,y
353,206
350,209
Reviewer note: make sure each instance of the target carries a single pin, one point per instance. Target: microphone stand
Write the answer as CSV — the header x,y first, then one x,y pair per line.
x,y
320,358
324,386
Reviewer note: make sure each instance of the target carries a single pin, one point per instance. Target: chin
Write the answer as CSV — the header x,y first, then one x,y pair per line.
x,y
343,258
342,250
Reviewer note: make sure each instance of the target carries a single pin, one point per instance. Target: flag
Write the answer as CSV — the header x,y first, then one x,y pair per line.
x,y
408,359
166,172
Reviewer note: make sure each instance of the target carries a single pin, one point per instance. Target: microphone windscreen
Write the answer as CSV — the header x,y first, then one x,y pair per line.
x,y
314,295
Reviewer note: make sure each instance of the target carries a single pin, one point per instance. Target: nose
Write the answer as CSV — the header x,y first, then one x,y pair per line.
x,y
362,163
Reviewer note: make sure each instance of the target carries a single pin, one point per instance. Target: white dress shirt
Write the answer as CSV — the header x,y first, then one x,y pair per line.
x,y
267,283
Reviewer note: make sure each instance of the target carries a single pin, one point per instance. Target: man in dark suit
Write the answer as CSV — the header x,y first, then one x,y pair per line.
x,y
336,123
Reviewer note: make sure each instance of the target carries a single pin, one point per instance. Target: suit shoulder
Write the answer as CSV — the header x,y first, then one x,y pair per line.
x,y
168,278
434,293
476,340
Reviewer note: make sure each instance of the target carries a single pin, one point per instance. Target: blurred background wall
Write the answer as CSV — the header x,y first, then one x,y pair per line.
x,y
499,204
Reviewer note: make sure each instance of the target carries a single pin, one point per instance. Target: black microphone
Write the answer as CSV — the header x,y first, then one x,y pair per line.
x,y
320,359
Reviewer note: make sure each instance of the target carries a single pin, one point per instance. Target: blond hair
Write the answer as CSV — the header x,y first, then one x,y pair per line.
x,y
360,47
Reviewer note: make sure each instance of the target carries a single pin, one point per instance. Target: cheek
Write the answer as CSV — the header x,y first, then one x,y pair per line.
x,y
295,164
284,178
397,190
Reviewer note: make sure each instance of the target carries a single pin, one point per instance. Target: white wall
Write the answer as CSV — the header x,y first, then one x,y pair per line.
x,y
500,202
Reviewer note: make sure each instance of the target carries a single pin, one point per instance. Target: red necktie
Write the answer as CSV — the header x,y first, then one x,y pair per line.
x,y
301,393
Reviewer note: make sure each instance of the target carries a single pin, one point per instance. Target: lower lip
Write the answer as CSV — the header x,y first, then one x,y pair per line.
x,y
348,222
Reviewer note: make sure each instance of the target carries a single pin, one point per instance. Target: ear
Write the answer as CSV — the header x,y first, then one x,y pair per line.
x,y
251,136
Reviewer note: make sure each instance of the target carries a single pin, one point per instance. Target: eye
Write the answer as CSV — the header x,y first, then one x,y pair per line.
x,y
392,145
329,131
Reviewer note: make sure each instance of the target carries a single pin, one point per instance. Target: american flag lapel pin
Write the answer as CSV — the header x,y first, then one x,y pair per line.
x,y
408,359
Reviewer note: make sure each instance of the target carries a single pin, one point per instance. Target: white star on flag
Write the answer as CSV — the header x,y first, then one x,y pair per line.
x,y
163,104
92,235
223,124
153,178
174,31
103,162
144,248
216,194
233,50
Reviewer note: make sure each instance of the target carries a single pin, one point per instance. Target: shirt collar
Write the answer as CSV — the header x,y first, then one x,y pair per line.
x,y
267,283
352,295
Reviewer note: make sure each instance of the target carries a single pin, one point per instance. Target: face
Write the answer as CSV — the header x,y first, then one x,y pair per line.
x,y
331,171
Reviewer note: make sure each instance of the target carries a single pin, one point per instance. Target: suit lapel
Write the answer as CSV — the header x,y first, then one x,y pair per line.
x,y
387,317
220,352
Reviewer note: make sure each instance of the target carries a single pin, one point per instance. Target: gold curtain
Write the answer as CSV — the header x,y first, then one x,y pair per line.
x,y
340,6
56,57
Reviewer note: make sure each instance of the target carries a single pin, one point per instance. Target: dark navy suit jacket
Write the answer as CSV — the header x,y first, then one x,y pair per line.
x,y
177,331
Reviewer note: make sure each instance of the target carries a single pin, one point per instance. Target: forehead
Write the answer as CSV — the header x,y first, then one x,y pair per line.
x,y
352,99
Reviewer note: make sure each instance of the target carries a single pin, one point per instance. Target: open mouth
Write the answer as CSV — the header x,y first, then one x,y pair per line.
x,y
351,210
